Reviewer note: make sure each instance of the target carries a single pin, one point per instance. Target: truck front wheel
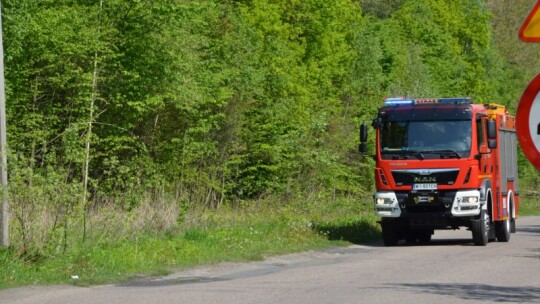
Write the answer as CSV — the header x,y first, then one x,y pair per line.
x,y
389,234
480,229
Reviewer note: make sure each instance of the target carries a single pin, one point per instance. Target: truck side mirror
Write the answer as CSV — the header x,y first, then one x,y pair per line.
x,y
492,129
363,133
492,134
362,148
363,138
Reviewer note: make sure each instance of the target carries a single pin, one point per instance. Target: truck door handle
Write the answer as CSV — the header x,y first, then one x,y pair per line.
x,y
538,129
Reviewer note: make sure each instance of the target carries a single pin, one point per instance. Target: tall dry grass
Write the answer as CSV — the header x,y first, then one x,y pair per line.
x,y
46,222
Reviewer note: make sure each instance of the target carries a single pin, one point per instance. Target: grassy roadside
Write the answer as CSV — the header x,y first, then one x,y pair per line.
x,y
242,234
529,205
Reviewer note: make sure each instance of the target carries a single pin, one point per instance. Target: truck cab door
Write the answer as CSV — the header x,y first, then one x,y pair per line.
x,y
485,165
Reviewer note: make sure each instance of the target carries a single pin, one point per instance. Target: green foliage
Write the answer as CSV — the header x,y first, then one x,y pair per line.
x,y
227,101
302,51
529,204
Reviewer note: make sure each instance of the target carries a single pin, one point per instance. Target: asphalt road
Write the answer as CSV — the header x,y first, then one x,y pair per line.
x,y
448,270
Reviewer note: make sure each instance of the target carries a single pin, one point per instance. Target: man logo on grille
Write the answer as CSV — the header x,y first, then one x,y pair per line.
x,y
425,179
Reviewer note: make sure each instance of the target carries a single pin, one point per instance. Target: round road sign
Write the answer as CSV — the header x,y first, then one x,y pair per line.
x,y
528,122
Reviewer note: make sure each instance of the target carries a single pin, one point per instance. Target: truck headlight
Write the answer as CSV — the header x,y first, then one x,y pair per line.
x,y
382,201
470,199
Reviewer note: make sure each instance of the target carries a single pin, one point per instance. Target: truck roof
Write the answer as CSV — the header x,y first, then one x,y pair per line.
x,y
400,109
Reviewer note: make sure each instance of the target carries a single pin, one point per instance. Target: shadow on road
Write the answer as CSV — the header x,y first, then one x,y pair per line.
x,y
445,242
366,233
356,232
531,229
476,292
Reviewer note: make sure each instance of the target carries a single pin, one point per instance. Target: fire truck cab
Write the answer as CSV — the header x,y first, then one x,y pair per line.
x,y
444,163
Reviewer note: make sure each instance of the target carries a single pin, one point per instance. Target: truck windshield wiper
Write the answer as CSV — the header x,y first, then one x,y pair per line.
x,y
453,153
413,152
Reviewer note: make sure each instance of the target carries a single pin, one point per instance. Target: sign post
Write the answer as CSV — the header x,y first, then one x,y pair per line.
x,y
4,210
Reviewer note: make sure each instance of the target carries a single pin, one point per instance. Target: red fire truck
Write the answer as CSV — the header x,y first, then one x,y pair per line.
x,y
444,164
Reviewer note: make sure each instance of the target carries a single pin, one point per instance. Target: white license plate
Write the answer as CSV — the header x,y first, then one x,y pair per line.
x,y
425,186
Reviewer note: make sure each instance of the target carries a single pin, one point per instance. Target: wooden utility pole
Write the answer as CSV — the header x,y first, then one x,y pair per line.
x,y
4,211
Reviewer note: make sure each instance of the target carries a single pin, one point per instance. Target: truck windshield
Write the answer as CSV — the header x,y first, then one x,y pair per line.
x,y
425,139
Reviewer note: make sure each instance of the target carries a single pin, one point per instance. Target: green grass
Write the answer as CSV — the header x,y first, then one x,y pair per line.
x,y
529,205
246,234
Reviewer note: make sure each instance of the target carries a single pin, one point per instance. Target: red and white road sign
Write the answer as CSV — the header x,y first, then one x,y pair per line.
x,y
528,122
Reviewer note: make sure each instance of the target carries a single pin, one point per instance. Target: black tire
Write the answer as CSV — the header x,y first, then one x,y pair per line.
x,y
513,225
389,234
502,230
480,229
424,236
411,237
512,219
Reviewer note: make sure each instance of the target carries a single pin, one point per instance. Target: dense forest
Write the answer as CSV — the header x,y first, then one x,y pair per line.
x,y
123,105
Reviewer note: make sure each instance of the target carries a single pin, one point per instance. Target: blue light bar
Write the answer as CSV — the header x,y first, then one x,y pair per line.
x,y
398,101
422,101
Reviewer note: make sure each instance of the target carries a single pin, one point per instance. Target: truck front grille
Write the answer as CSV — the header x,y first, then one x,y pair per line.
x,y
439,176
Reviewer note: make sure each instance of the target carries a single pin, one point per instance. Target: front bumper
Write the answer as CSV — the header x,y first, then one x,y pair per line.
x,y
463,203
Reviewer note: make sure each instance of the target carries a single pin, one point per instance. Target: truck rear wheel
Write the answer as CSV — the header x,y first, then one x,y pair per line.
x,y
502,230
389,234
480,229
512,219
